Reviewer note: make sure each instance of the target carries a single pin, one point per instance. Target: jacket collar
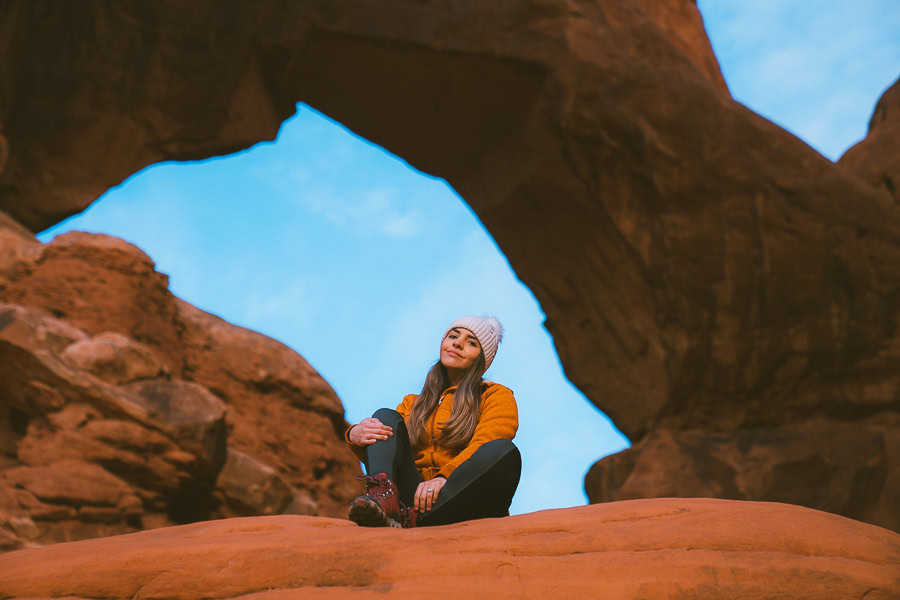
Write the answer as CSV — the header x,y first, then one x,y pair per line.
x,y
484,383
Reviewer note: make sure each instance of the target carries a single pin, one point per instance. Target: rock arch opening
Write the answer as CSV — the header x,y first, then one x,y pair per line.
x,y
328,244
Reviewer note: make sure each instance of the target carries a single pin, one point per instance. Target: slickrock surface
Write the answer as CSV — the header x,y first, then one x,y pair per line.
x,y
123,408
662,548
703,272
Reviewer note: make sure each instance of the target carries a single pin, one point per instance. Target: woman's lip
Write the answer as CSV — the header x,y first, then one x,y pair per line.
x,y
453,353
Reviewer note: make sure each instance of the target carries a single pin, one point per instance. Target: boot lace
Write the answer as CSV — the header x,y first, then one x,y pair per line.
x,y
375,486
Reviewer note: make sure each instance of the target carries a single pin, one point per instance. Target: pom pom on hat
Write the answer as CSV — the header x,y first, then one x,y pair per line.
x,y
487,330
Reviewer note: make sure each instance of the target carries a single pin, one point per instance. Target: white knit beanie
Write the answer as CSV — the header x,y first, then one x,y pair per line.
x,y
487,330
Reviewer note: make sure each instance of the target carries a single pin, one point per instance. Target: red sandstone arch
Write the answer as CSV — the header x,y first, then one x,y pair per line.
x,y
704,279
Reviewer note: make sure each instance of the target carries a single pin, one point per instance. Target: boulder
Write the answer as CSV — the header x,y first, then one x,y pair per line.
x,y
253,488
126,376
102,285
84,458
98,438
114,358
283,413
68,482
664,548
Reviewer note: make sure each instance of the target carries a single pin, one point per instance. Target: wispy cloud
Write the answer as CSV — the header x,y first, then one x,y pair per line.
x,y
374,210
265,307
343,202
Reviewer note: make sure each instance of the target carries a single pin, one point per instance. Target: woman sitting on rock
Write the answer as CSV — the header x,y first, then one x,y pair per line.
x,y
446,454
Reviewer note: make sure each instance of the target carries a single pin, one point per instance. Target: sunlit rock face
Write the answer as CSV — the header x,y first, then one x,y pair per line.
x,y
123,408
705,275
660,548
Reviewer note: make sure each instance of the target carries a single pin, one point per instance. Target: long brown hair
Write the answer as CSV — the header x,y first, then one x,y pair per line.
x,y
458,430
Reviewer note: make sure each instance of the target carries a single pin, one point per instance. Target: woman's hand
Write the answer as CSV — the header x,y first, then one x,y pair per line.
x,y
427,494
369,431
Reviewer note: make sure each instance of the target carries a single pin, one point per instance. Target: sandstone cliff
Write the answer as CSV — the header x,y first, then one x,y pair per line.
x,y
841,454
703,274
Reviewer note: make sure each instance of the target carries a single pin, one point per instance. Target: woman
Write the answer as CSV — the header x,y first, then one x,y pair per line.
x,y
446,454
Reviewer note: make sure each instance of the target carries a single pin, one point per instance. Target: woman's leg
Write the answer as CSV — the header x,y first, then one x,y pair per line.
x,y
393,456
481,487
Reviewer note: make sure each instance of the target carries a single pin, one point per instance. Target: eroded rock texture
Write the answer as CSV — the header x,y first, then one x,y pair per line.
x,y
877,157
840,453
704,273
662,548
839,467
123,408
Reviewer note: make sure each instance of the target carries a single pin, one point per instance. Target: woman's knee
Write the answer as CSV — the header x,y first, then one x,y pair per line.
x,y
388,416
501,447
498,452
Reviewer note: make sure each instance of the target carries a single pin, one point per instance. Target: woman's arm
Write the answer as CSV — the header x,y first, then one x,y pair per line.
x,y
406,406
368,431
498,418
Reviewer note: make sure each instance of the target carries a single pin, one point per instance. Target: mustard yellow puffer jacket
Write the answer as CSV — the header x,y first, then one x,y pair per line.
x,y
498,418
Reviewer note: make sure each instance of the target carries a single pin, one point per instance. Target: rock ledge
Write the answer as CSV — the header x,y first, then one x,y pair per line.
x,y
660,548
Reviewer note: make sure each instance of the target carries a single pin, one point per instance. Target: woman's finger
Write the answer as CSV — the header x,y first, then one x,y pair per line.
x,y
372,436
436,485
420,498
436,493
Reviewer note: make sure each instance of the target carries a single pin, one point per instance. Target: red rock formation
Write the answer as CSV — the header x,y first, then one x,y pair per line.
x,y
839,467
699,267
129,409
877,158
641,549
843,457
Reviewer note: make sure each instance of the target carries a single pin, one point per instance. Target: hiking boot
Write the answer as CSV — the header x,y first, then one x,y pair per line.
x,y
380,506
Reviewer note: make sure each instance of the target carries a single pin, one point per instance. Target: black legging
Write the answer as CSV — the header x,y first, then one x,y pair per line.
x,y
481,487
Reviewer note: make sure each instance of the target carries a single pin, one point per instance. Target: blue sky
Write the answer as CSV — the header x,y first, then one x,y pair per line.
x,y
814,68
343,252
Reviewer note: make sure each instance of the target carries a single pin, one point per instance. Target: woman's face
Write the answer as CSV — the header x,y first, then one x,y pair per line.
x,y
459,349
